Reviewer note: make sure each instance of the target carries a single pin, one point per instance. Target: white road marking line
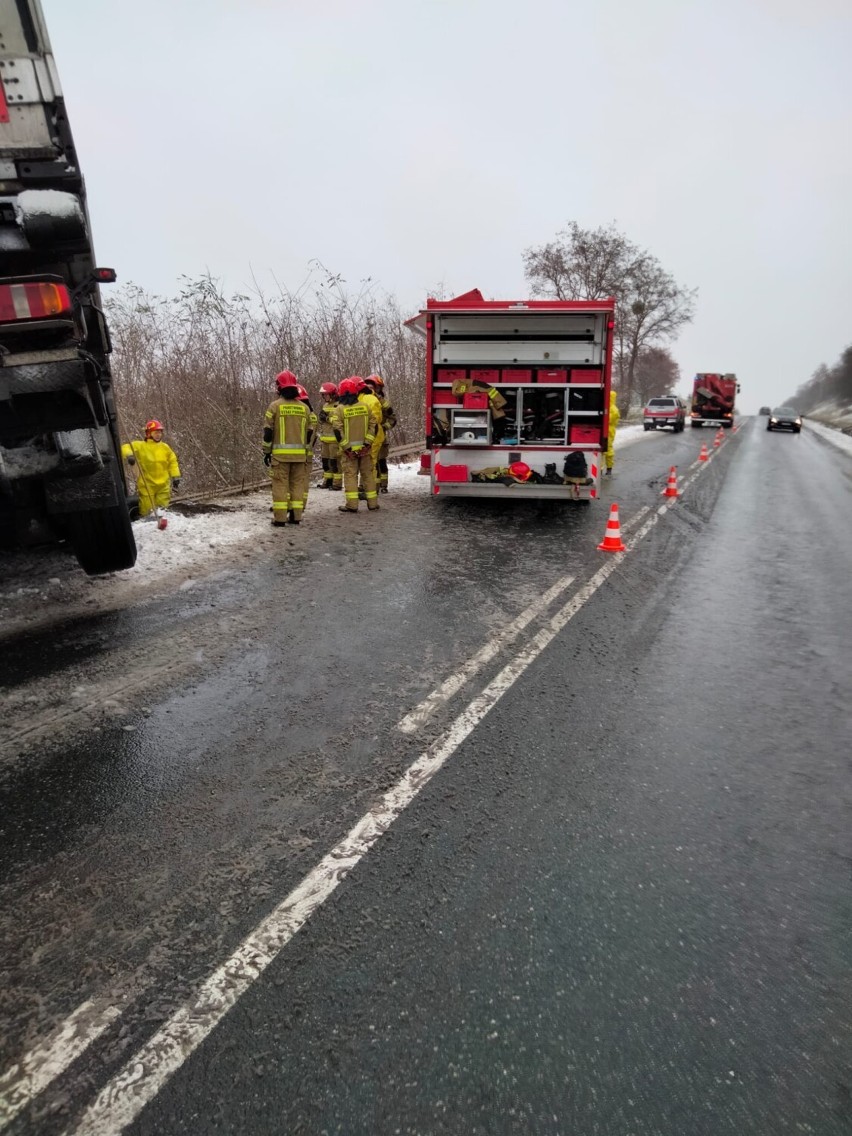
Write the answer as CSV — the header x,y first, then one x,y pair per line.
x,y
22,1082
130,1090
443,693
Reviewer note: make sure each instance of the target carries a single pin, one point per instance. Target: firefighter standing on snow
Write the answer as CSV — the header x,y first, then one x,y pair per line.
x,y
312,433
355,424
366,396
285,450
381,449
332,477
614,417
157,470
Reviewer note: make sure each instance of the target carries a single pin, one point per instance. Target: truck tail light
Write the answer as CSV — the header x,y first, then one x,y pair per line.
x,y
33,301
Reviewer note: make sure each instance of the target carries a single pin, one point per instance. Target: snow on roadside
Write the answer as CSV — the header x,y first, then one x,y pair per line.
x,y
831,434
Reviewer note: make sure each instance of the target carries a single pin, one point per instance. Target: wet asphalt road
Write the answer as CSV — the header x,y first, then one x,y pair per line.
x,y
623,906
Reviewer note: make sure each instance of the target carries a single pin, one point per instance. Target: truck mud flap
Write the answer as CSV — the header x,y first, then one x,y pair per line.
x,y
81,494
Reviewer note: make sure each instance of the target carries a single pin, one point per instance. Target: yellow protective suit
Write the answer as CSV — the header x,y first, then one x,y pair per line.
x,y
614,417
375,406
156,465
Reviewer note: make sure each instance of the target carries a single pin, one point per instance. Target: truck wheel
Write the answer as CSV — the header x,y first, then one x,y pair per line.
x,y
696,425
102,539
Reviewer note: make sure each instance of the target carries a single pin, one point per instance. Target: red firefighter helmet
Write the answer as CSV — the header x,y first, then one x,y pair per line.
x,y
302,394
520,470
328,388
153,425
350,385
375,381
286,379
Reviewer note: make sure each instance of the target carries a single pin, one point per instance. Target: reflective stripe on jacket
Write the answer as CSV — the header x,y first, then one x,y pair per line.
x,y
326,429
356,425
288,421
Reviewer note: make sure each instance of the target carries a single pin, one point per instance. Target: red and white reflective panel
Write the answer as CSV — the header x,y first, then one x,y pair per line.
x,y
33,301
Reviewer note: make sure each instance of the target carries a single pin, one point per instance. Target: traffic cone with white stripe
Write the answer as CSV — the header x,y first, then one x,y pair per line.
x,y
704,456
612,541
671,489
717,441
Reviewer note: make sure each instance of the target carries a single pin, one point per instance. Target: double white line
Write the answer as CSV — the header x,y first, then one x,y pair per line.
x,y
139,1081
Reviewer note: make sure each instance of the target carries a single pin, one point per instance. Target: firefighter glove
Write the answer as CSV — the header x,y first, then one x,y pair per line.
x,y
175,483
131,460
267,459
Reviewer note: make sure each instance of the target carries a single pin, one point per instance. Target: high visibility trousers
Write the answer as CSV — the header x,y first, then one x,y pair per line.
x,y
382,468
353,468
151,496
289,483
331,472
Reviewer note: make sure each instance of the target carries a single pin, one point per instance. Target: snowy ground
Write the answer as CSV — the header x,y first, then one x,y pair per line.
x,y
34,585
831,434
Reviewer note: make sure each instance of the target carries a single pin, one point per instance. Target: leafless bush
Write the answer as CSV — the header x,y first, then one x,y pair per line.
x,y
205,364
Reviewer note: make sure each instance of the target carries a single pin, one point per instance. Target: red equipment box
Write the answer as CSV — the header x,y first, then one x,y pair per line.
x,y
585,436
558,376
484,376
510,376
449,374
450,472
444,398
585,376
476,400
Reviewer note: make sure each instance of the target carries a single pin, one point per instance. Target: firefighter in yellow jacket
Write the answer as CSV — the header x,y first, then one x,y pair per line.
x,y
368,398
614,416
355,423
332,475
157,470
304,397
286,430
377,384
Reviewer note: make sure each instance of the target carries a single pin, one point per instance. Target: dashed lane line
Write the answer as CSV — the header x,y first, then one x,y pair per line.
x,y
141,1079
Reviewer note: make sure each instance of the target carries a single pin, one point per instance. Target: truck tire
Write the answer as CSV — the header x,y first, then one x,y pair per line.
x,y
102,539
696,425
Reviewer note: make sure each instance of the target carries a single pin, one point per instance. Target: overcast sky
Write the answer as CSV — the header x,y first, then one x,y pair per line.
x,y
429,142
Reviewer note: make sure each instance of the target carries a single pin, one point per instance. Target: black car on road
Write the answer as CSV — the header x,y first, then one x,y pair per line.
x,y
785,418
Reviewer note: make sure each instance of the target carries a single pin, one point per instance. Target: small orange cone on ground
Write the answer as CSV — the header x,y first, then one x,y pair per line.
x,y
671,489
717,441
612,537
704,456
161,523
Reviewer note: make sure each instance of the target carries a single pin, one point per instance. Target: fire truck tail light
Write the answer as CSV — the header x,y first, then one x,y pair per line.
x,y
33,301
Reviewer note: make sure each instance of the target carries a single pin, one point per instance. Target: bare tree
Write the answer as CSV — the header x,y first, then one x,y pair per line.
x,y
656,373
205,362
592,264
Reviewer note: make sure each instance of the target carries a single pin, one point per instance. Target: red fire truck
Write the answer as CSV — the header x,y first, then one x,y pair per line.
x,y
713,399
517,395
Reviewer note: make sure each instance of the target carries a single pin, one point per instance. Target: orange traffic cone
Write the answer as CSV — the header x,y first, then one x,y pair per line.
x,y
612,537
671,489
161,523
704,456
717,441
